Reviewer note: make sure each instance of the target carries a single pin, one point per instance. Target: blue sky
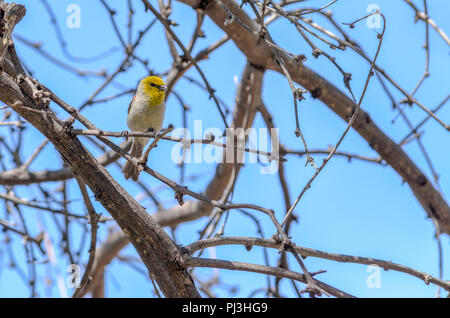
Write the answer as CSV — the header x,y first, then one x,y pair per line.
x,y
355,208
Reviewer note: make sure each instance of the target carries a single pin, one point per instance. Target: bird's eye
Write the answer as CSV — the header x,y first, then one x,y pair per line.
x,y
153,85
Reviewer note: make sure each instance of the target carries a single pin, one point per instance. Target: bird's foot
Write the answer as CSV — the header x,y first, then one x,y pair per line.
x,y
124,134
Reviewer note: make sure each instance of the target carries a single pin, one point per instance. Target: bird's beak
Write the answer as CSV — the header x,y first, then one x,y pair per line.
x,y
163,88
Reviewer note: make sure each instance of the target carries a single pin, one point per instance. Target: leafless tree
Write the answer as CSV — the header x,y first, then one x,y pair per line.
x,y
30,103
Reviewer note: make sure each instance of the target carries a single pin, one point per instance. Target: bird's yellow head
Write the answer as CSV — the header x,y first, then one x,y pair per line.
x,y
154,87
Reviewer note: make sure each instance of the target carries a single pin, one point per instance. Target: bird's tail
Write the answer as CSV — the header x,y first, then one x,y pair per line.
x,y
130,169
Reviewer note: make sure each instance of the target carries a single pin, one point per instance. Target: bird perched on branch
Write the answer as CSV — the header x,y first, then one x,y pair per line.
x,y
145,113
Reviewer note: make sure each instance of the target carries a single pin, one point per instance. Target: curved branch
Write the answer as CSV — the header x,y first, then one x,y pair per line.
x,y
191,210
25,177
248,242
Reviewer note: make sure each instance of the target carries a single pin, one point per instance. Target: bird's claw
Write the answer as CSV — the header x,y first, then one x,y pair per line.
x,y
124,134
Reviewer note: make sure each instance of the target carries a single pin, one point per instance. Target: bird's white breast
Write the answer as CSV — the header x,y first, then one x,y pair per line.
x,y
142,116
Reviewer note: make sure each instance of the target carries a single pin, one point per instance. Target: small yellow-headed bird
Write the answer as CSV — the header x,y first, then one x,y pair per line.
x,y
146,112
